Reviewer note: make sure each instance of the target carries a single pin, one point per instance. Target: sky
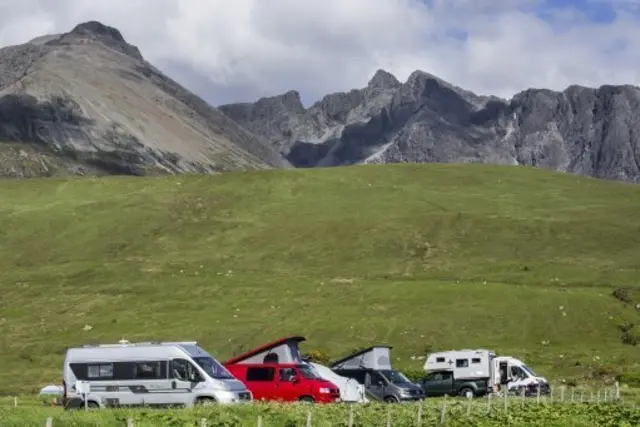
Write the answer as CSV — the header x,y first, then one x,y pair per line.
x,y
241,50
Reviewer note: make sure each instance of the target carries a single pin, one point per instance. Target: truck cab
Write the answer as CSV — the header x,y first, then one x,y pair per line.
x,y
521,377
444,383
285,382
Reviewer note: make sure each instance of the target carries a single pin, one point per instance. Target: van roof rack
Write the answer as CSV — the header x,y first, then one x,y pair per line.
x,y
125,343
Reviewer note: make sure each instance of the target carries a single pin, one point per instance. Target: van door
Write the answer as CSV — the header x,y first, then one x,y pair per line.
x,y
288,384
375,384
184,377
260,380
151,383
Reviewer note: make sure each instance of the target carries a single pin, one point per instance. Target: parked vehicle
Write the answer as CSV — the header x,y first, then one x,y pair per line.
x,y
471,372
372,368
521,377
444,383
276,371
148,374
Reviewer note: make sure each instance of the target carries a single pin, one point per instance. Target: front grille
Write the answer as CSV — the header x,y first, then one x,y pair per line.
x,y
244,395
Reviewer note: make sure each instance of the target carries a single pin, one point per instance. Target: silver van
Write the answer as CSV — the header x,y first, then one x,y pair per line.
x,y
148,374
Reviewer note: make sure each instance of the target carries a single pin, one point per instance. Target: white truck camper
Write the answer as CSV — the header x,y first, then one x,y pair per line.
x,y
350,389
148,374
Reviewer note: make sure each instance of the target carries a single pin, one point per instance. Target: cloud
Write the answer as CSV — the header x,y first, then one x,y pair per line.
x,y
242,49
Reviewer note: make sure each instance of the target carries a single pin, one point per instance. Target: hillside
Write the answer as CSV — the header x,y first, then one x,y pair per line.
x,y
418,256
89,103
587,131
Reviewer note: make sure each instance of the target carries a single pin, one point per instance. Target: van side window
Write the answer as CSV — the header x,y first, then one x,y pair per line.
x,y
100,371
439,359
287,374
260,374
462,363
183,370
475,360
148,370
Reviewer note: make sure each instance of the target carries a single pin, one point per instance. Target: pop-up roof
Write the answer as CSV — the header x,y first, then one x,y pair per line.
x,y
284,350
375,357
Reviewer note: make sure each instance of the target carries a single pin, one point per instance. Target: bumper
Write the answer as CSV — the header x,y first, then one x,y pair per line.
x,y
233,397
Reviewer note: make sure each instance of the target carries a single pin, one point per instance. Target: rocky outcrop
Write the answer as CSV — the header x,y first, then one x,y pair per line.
x,y
581,130
87,102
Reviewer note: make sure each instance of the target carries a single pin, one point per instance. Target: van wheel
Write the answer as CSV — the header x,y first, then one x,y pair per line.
x,y
467,392
391,399
205,401
306,399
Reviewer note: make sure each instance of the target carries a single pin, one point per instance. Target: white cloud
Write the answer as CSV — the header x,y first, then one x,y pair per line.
x,y
242,49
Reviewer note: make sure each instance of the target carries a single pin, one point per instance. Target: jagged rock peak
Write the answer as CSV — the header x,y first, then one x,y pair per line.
x,y
95,28
290,100
383,80
97,31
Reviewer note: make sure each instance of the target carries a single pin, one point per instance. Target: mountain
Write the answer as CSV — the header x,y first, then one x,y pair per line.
x,y
87,102
582,130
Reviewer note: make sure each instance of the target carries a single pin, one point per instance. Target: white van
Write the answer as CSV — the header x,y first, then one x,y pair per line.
x,y
148,374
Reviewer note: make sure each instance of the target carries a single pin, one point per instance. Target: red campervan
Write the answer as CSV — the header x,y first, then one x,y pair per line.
x,y
275,371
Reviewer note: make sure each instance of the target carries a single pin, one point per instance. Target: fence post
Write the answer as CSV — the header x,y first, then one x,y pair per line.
x,y
573,393
309,419
15,402
562,394
443,412
351,415
538,396
489,403
130,422
617,390
203,422
506,401
259,420
49,422
420,414
469,405
389,416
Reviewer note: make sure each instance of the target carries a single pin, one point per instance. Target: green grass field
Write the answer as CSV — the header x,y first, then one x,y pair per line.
x,y
420,257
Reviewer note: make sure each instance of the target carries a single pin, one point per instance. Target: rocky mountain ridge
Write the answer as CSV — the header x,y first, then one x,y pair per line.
x,y
87,102
590,131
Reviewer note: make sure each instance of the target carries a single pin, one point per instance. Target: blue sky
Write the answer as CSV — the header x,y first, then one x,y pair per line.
x,y
242,50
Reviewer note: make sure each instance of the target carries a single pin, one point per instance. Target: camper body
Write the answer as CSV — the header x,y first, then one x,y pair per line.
x,y
276,372
372,368
148,374
459,372
521,377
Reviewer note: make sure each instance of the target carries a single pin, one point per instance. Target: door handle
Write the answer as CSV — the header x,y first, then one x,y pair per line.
x,y
173,384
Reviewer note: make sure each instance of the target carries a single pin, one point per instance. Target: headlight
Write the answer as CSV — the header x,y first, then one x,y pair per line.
x,y
325,390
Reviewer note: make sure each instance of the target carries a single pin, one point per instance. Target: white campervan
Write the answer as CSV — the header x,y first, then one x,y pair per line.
x,y
148,374
520,375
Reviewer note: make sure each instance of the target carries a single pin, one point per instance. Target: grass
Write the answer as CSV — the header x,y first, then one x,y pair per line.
x,y
454,412
421,257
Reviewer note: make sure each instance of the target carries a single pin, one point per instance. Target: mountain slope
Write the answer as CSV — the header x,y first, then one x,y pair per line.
x,y
581,130
415,256
89,99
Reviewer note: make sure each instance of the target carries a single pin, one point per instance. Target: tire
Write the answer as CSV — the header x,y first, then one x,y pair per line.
x,y
306,399
467,392
391,399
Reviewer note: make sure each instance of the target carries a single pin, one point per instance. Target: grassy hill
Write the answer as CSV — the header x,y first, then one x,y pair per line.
x,y
520,260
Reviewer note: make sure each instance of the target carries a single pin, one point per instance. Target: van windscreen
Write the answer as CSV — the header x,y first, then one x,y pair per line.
x,y
213,368
308,372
